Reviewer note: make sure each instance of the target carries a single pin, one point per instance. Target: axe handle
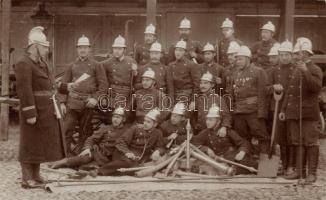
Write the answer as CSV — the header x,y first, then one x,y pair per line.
x,y
251,169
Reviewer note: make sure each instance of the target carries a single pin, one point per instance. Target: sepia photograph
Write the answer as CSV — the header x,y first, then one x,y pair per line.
x,y
162,99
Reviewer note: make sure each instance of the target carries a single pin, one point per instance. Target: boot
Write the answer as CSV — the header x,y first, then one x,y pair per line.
x,y
284,156
36,174
290,160
296,174
27,177
312,156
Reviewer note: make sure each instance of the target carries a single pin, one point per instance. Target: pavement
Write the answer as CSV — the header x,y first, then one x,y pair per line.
x,y
11,190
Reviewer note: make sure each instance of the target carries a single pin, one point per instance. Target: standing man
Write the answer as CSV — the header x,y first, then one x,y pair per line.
x,y
121,71
261,48
142,51
148,97
183,79
308,77
273,57
223,45
193,48
230,68
82,95
279,77
40,138
163,73
209,65
249,97
206,98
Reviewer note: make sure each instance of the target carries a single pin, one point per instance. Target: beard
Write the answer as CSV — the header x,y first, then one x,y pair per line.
x,y
184,36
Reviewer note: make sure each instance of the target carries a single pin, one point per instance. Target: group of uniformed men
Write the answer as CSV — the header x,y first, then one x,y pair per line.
x,y
225,90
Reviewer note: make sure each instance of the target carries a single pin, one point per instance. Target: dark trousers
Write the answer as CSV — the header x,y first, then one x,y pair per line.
x,y
249,126
118,161
72,119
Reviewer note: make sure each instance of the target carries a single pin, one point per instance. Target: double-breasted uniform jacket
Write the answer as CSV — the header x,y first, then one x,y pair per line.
x,y
280,74
140,142
202,104
93,87
260,50
147,99
192,45
163,77
250,91
168,128
215,69
105,141
41,142
223,46
183,76
120,77
311,86
222,146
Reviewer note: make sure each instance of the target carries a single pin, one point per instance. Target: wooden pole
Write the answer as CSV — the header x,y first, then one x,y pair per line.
x,y
151,12
289,20
4,116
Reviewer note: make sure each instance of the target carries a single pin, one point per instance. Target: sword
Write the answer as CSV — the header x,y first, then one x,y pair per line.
x,y
58,114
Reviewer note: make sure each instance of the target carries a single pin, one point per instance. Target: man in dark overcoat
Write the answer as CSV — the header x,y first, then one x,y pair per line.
x,y
40,139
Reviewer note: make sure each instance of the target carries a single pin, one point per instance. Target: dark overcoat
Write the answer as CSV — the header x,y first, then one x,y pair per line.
x,y
41,142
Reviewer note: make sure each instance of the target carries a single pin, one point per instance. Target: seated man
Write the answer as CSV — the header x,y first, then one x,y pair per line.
x,y
230,146
98,147
174,129
136,146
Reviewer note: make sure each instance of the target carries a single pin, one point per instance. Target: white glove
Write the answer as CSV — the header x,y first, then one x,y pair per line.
x,y
221,132
31,121
91,103
86,152
240,156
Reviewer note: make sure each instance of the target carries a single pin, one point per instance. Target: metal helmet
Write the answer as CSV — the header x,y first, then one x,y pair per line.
x,y
153,114
36,36
303,44
286,46
150,29
149,73
233,47
268,26
207,77
119,111
119,42
227,23
181,44
274,50
156,47
179,108
83,41
208,47
185,23
214,111
244,51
